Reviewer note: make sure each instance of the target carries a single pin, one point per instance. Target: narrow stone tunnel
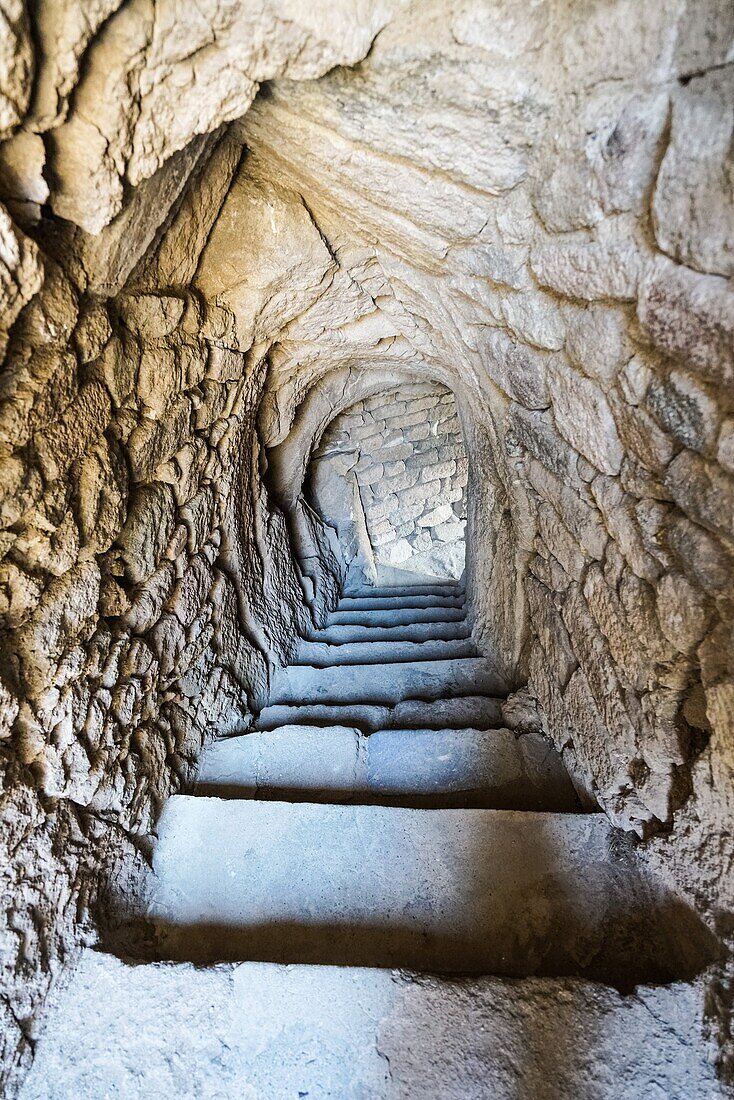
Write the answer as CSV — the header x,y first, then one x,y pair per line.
x,y
390,477
366,536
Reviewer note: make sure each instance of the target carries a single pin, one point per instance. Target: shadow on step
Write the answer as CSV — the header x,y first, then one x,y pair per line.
x,y
516,796
626,952
630,951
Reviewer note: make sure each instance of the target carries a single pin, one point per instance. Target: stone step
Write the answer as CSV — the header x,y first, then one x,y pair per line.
x,y
437,768
397,616
464,890
408,632
467,712
322,655
393,603
437,588
259,1031
387,684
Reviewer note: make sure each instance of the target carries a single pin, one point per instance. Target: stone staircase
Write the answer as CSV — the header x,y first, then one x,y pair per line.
x,y
385,893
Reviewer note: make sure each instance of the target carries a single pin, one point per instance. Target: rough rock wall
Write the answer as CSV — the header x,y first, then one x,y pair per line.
x,y
404,451
139,611
146,584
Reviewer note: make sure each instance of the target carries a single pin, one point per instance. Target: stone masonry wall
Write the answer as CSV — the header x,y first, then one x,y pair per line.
x,y
405,452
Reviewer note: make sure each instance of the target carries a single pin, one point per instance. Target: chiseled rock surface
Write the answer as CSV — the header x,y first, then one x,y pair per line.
x,y
258,1030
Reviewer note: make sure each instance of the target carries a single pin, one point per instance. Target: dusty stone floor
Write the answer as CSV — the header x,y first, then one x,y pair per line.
x,y
252,1031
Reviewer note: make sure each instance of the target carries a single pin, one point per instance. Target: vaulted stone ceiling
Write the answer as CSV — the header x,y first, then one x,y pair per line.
x,y
224,223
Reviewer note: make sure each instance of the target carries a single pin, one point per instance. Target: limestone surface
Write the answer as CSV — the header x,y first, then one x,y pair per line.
x,y
223,225
362,1033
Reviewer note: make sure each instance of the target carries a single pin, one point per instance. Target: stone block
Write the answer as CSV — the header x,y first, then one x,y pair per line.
x,y
437,516
418,432
684,408
423,455
454,494
405,510
589,270
369,431
703,491
535,433
518,370
634,378
449,426
409,419
682,611
116,368
555,538
153,442
101,496
398,483
422,404
690,317
584,417
151,316
621,521
592,651
65,614
93,331
597,341
630,652
396,553
372,475
439,470
693,204
725,447
190,592
449,532
200,517
81,425
549,629
641,434
396,452
422,492
575,509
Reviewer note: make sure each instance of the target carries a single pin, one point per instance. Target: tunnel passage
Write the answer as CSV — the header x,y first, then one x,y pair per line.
x,y
529,203
390,475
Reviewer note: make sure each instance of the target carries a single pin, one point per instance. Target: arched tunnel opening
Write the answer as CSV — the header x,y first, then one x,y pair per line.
x,y
366,549
390,476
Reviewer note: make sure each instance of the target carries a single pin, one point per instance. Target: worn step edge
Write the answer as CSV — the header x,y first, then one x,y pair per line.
x,y
322,655
396,617
391,684
481,712
405,603
340,634
496,769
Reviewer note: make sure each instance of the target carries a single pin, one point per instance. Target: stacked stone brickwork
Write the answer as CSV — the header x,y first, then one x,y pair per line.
x,y
405,451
